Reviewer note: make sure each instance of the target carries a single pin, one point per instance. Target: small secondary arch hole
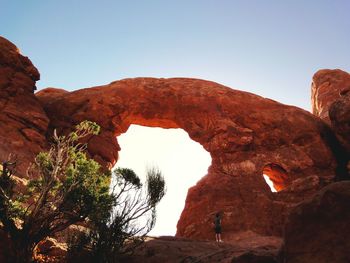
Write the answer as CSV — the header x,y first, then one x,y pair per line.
x,y
275,176
182,161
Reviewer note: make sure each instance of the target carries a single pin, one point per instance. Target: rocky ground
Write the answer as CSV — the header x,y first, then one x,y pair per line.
x,y
246,247
317,231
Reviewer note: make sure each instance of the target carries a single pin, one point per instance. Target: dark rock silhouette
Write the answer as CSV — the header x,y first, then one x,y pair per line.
x,y
339,113
318,230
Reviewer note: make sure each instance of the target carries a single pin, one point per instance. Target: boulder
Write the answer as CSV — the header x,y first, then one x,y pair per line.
x,y
339,113
331,102
317,231
327,86
50,247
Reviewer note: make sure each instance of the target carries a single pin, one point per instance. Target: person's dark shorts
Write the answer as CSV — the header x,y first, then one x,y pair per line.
x,y
217,230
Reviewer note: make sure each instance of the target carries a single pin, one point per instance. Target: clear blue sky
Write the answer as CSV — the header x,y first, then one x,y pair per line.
x,y
271,48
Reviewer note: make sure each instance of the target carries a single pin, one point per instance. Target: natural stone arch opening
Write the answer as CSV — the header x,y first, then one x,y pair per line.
x,y
182,161
242,132
275,176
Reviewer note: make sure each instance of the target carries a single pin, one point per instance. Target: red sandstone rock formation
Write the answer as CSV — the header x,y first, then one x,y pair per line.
x,y
331,101
246,248
339,113
244,134
318,231
23,122
327,86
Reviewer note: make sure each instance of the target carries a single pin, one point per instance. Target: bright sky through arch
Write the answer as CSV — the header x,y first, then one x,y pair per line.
x,y
269,183
182,161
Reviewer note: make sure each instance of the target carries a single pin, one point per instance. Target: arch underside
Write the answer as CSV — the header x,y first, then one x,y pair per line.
x,y
241,131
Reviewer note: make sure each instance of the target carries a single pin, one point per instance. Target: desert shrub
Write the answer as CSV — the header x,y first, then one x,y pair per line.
x,y
132,217
65,187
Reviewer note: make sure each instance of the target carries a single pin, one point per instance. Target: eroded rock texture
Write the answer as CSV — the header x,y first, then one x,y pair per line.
x,y
328,86
339,113
318,231
23,122
331,101
253,249
244,133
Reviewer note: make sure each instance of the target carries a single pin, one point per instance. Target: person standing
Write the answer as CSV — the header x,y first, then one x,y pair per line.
x,y
217,227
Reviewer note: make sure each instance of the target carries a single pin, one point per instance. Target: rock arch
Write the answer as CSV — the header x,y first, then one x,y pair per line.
x,y
242,132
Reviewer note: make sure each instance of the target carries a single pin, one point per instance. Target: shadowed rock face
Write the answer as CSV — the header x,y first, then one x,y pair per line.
x,y
318,231
244,133
23,122
339,113
331,102
328,86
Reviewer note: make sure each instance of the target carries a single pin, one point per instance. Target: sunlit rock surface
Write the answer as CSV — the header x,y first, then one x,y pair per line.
x,y
245,134
318,231
327,86
331,102
23,122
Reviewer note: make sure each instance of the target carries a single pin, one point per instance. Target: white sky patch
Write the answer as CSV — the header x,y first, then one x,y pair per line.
x,y
182,161
270,183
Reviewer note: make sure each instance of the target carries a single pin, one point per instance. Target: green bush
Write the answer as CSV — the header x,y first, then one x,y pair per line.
x,y
132,217
66,187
